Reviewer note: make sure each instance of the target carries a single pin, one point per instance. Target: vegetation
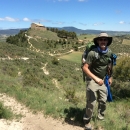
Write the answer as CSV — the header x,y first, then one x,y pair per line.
x,y
88,37
5,113
63,33
48,78
20,39
42,34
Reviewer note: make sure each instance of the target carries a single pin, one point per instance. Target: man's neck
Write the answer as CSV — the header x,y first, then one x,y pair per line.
x,y
102,50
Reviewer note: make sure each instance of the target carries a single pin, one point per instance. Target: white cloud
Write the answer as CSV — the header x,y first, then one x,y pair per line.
x,y
95,24
9,19
1,19
35,20
121,22
26,19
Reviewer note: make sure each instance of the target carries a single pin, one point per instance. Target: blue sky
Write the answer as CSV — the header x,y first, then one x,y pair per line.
x,y
83,14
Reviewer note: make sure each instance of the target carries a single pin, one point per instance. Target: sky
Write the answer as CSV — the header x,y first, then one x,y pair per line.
x,y
109,15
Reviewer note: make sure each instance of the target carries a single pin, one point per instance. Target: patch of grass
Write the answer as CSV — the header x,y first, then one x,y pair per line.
x,y
43,34
117,116
74,57
88,37
126,41
5,113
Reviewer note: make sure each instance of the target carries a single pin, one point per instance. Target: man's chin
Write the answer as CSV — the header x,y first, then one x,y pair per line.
x,y
103,47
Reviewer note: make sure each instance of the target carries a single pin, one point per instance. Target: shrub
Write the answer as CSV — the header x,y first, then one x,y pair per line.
x,y
121,75
70,94
120,89
30,77
122,69
55,61
5,113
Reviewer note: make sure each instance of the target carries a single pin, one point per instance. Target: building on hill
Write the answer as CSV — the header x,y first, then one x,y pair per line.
x,y
38,26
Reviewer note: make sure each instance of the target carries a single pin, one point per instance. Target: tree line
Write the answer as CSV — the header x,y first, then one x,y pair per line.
x,y
19,39
63,33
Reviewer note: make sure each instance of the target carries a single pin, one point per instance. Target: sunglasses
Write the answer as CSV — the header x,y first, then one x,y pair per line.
x,y
103,39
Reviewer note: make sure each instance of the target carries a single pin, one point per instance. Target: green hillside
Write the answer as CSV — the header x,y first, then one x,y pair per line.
x,y
44,73
42,34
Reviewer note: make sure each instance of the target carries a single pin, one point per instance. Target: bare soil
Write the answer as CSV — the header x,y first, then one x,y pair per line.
x,y
29,120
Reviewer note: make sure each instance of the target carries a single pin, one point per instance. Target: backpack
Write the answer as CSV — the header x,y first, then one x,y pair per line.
x,y
91,46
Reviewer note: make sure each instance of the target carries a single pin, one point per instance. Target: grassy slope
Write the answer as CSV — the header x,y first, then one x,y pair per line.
x,y
62,88
43,34
74,57
87,37
126,42
40,89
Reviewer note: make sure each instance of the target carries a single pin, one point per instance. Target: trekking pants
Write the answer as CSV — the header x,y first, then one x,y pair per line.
x,y
95,93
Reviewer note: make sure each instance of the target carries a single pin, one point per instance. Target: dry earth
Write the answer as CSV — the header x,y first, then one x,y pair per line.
x,y
30,121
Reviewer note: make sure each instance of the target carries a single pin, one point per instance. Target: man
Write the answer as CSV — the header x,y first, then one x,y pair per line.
x,y
96,70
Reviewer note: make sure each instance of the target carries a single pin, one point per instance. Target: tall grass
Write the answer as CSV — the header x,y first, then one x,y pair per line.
x,y
5,113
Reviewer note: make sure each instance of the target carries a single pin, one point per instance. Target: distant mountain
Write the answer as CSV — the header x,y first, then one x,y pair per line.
x,y
69,29
11,31
88,31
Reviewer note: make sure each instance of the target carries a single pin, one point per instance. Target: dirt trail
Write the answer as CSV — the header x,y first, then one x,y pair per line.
x,y
30,121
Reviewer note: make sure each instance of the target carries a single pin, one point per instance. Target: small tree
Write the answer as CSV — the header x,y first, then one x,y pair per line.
x,y
55,61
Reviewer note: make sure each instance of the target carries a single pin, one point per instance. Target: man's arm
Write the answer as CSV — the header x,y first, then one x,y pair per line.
x,y
91,75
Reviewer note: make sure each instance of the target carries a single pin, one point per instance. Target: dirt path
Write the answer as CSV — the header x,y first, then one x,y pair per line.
x,y
30,121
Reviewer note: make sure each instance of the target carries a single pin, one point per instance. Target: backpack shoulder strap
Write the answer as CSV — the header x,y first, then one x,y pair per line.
x,y
112,56
96,53
109,53
111,63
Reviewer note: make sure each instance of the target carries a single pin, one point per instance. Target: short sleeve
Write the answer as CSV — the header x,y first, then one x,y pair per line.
x,y
90,57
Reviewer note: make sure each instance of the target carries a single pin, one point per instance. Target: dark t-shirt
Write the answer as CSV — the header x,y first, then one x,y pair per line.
x,y
98,64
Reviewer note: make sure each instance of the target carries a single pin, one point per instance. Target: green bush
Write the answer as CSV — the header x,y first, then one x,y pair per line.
x,y
31,77
9,69
70,94
122,69
19,39
55,61
5,113
120,89
121,75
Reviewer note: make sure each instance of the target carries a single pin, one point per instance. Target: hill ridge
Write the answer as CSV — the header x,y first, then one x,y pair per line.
x,y
69,28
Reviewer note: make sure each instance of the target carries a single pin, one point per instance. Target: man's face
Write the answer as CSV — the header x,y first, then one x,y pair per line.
x,y
102,42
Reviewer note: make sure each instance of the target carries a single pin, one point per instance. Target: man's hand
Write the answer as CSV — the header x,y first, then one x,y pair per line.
x,y
110,80
99,81
91,75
